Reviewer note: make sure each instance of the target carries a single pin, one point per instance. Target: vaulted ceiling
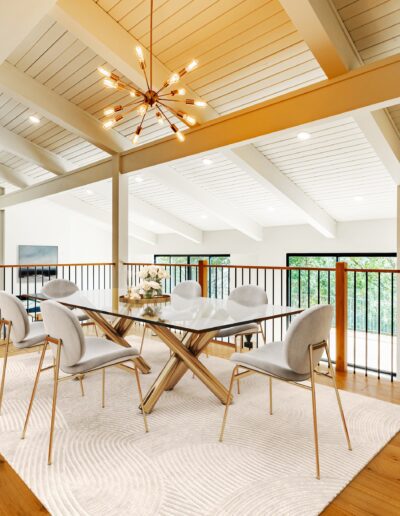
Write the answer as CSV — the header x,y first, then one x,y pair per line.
x,y
249,51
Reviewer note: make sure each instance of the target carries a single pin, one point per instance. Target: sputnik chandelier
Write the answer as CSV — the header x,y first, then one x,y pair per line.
x,y
152,98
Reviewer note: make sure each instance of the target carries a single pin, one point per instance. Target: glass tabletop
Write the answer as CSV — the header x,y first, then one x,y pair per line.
x,y
196,315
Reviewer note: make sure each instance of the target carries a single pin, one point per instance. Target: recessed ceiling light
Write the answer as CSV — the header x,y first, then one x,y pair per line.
x,y
358,198
203,216
139,179
271,208
89,192
34,119
303,136
207,161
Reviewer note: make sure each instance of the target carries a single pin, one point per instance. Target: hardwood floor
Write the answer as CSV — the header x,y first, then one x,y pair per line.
x,y
374,491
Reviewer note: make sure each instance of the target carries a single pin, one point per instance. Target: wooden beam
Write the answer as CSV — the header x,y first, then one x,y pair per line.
x,y
102,217
29,151
166,219
14,177
328,39
17,19
382,135
369,87
120,223
105,36
215,205
81,177
254,163
322,29
59,110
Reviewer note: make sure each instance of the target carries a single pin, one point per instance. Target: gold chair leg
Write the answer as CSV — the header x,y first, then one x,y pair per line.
x,y
142,341
3,374
221,436
270,395
53,410
314,407
338,397
240,351
103,387
141,398
81,384
263,333
34,390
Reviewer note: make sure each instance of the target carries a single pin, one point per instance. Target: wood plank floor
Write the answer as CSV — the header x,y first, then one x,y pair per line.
x,y
374,491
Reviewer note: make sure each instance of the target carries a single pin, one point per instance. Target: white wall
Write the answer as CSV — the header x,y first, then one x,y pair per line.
x,y
360,236
43,222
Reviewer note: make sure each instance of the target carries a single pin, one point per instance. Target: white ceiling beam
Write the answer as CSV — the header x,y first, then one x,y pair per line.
x,y
369,87
322,29
102,217
14,177
144,210
260,168
169,221
105,36
59,110
328,39
81,177
17,19
379,130
29,151
213,205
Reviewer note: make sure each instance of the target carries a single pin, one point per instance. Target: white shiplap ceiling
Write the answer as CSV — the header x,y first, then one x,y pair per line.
x,y
249,51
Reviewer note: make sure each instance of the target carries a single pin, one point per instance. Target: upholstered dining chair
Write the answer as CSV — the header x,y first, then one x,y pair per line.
x,y
189,289
59,287
20,331
247,295
75,355
293,360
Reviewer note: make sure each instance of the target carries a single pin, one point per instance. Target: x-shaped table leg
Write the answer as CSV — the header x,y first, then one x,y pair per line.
x,y
183,357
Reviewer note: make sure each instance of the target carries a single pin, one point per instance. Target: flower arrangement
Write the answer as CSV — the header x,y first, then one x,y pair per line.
x,y
151,278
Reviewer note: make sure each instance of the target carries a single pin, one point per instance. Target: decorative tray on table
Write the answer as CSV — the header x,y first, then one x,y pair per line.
x,y
145,300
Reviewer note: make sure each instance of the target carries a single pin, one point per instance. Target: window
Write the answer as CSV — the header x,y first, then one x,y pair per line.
x,y
370,296
183,271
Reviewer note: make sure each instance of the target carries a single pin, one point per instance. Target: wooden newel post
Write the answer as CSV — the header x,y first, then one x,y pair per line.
x,y
203,277
341,316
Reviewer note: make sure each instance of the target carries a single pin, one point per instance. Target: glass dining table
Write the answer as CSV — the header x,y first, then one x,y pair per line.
x,y
186,326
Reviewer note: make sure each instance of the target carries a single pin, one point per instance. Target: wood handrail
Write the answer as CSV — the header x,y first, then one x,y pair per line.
x,y
268,267
23,265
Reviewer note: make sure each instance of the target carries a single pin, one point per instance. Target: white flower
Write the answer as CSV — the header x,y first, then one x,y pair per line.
x,y
146,286
135,295
141,291
154,285
153,270
144,272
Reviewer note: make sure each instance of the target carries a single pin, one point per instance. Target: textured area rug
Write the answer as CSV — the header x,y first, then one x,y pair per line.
x,y
104,463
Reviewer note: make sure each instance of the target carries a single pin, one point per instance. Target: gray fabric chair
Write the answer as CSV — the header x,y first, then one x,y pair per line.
x,y
75,355
20,331
57,288
293,360
189,289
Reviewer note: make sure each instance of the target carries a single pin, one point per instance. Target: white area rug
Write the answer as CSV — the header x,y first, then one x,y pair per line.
x,y
104,463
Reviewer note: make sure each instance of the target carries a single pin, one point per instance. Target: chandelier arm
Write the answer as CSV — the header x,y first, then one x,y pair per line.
x,y
151,44
174,112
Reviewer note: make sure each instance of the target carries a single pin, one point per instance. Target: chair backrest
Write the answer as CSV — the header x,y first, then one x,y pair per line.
x,y
310,327
187,289
62,324
13,310
249,295
59,288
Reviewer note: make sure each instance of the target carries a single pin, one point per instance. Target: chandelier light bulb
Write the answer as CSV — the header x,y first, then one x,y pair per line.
x,y
139,53
109,124
103,71
159,117
109,111
110,83
133,93
180,136
200,103
34,119
181,91
174,78
189,119
192,65
142,109
135,138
